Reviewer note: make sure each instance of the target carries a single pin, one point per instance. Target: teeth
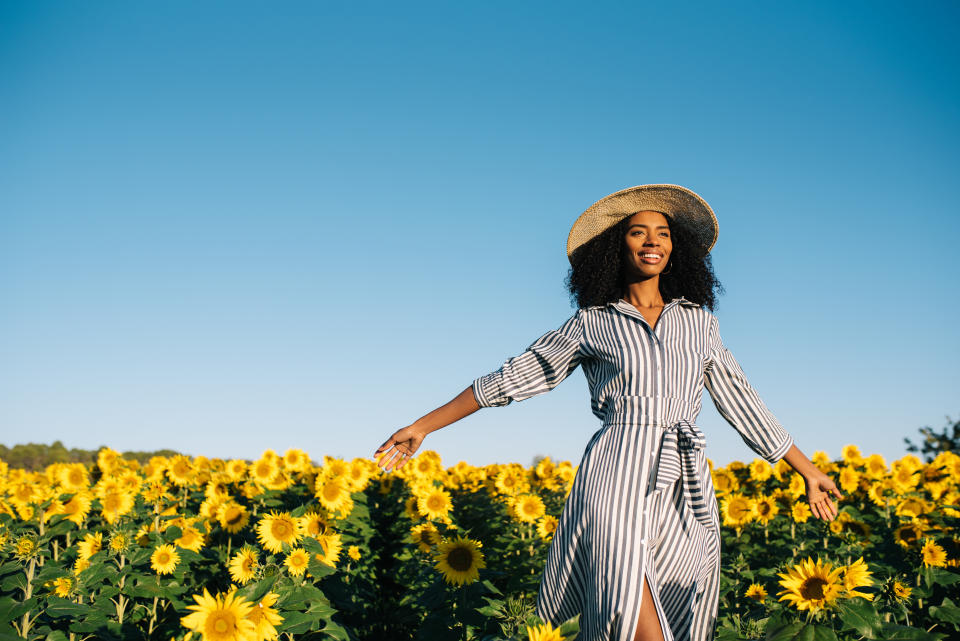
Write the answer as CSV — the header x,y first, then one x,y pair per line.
x,y
650,255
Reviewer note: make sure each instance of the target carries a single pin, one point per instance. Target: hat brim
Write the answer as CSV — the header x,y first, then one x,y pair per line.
x,y
678,202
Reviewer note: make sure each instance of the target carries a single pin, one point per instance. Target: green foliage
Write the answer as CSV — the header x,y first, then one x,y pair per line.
x,y
36,456
934,443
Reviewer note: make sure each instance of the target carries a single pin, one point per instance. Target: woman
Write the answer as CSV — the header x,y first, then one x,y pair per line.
x,y
637,546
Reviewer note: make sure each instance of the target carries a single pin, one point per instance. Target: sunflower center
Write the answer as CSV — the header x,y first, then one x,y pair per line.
x,y
460,559
331,491
812,588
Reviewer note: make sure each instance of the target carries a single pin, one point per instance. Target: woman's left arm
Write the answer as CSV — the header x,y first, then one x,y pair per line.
x,y
819,485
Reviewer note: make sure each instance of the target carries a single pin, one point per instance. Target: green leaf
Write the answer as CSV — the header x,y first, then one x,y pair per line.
x,y
253,592
824,633
895,632
337,632
946,611
860,616
795,631
297,622
59,607
7,604
56,635
942,576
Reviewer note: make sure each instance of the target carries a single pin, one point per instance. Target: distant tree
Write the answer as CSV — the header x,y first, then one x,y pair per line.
x,y
37,456
934,443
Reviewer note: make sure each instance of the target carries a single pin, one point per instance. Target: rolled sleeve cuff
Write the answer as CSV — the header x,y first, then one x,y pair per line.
x,y
780,451
486,389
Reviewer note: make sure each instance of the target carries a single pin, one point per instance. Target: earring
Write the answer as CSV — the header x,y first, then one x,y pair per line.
x,y
669,266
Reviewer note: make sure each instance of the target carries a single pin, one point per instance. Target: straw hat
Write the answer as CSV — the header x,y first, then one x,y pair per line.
x,y
674,201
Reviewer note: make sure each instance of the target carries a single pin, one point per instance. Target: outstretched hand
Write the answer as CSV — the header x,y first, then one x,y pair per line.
x,y
819,488
399,448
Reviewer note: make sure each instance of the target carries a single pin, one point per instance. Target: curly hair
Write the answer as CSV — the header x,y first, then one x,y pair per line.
x,y
597,273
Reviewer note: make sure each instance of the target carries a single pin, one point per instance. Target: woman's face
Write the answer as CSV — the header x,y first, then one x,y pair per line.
x,y
647,243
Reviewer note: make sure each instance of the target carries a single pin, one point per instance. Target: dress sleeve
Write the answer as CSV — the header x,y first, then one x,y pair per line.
x,y
549,360
738,402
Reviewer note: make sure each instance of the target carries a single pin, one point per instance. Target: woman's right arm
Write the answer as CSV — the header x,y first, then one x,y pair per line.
x,y
404,442
539,369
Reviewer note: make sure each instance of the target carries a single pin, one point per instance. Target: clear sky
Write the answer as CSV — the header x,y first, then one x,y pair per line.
x,y
232,226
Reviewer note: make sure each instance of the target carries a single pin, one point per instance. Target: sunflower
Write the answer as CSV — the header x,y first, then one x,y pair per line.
x,y
164,559
243,566
221,617
333,494
314,524
545,632
80,565
756,592
849,479
190,539
459,560
425,535
901,591
264,470
296,460
116,503
232,516
737,510
236,469
856,575
527,508
435,504
811,585
795,485
278,528
511,481
760,470
875,466
180,470
765,508
77,508
912,507
107,460
353,552
908,534
265,618
331,545
851,455
62,586
25,547
724,482
90,545
297,561
119,542
801,512
74,477
933,555
546,527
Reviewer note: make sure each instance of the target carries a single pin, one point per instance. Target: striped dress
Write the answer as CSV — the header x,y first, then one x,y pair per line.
x,y
642,500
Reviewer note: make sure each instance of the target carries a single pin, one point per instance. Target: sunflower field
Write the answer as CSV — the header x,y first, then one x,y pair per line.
x,y
282,548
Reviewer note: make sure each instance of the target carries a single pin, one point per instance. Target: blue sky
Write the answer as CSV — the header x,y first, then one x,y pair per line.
x,y
226,227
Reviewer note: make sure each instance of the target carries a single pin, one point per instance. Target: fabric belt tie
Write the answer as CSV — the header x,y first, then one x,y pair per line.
x,y
680,458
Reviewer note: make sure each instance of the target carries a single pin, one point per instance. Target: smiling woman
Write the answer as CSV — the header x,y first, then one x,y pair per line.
x,y
636,549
